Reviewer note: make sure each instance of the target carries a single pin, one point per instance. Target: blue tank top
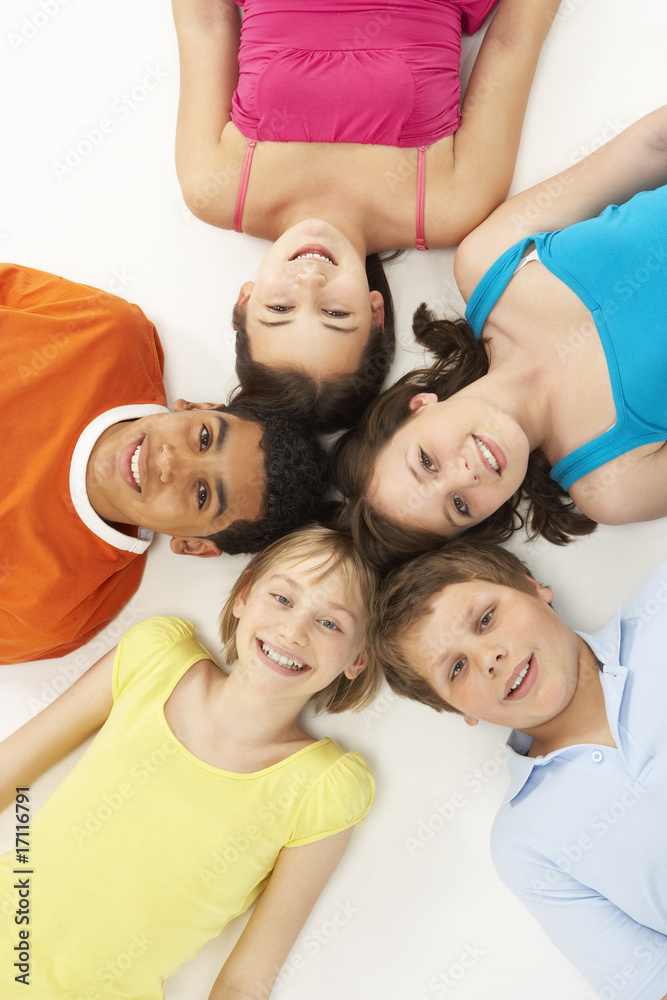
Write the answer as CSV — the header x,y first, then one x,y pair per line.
x,y
617,265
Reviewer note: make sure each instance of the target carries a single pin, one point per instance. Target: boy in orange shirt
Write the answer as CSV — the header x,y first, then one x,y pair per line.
x,y
93,462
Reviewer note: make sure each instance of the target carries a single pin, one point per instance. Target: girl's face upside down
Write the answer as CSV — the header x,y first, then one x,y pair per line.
x,y
310,306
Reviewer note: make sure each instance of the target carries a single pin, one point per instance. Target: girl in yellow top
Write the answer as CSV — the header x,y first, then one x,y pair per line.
x,y
200,791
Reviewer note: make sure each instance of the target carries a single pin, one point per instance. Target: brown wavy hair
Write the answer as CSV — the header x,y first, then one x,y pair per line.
x,y
461,358
327,404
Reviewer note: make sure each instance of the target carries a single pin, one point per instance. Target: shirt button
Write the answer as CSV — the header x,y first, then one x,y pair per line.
x,y
597,756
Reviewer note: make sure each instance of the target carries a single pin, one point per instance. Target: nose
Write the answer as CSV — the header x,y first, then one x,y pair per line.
x,y
293,629
170,463
309,276
491,658
459,473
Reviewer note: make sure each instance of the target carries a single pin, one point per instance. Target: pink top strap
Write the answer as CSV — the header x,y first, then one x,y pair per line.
x,y
421,190
243,186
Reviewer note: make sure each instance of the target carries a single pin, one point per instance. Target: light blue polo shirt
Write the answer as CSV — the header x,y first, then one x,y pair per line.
x,y
581,837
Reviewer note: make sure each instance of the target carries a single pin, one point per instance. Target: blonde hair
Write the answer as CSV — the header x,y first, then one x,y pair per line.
x,y
337,551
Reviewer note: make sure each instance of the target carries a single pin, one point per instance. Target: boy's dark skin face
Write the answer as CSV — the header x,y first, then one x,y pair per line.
x,y
188,473
481,638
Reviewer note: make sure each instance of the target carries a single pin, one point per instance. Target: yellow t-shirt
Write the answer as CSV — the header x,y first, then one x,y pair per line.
x,y
144,852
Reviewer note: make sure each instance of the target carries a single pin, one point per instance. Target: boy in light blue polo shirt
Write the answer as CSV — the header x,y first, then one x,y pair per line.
x,y
580,837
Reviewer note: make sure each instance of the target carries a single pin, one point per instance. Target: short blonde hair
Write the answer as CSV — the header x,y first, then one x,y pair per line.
x,y
337,551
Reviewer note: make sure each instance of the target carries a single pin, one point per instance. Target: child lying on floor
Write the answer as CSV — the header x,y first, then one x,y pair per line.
x,y
580,835
200,792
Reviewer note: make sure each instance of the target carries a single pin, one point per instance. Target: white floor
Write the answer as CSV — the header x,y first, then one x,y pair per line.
x,y
415,910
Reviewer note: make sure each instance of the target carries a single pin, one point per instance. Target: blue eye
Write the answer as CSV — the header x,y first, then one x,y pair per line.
x,y
486,619
202,495
426,461
457,668
282,600
329,624
204,438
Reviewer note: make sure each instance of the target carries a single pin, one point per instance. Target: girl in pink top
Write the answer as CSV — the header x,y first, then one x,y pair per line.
x,y
348,114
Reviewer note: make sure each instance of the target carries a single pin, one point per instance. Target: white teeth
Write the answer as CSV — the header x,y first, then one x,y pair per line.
x,y
520,678
282,660
313,255
134,465
488,455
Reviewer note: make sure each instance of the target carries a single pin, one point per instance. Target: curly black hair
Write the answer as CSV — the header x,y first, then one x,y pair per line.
x,y
297,481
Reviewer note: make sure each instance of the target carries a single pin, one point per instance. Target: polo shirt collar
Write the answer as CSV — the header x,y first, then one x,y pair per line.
x,y
606,644
77,477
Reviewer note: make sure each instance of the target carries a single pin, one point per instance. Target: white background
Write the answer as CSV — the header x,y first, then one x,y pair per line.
x,y
396,918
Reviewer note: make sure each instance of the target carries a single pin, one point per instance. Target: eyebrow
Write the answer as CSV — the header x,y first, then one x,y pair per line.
x,y
329,326
333,605
223,428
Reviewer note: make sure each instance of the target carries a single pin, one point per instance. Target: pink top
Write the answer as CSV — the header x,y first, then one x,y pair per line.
x,y
351,71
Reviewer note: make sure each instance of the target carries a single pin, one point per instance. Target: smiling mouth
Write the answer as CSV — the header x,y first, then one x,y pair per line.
x,y
487,455
134,466
516,688
283,661
315,253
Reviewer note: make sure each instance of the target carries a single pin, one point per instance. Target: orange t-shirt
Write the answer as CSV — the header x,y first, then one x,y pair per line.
x,y
69,353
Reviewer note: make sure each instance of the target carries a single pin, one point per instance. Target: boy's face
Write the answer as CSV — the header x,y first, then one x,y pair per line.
x,y
188,474
497,654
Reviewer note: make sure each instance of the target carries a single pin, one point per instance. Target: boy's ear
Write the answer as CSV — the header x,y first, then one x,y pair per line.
x,y
546,593
469,721
359,663
202,547
185,404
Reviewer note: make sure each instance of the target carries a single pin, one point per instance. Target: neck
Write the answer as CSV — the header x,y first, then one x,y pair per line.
x,y
252,718
584,720
518,393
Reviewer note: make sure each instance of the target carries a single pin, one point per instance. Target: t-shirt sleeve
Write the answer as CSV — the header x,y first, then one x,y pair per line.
x,y
141,653
339,798
616,954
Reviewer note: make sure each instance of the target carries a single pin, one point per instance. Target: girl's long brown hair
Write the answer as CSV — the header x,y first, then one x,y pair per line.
x,y
461,359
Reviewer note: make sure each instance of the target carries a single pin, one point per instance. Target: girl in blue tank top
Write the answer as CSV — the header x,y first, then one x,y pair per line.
x,y
555,383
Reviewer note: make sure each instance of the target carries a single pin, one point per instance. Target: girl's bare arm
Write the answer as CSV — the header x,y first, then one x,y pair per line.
x,y
208,34
635,160
53,733
493,110
295,884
